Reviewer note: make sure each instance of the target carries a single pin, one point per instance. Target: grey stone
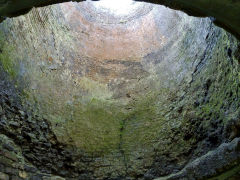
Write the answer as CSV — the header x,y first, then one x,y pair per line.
x,y
8,147
53,178
14,124
4,176
30,169
11,171
22,113
36,177
16,178
209,164
1,110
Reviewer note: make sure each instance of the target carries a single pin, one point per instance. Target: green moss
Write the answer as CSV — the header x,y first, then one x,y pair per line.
x,y
228,175
8,64
7,57
143,123
94,127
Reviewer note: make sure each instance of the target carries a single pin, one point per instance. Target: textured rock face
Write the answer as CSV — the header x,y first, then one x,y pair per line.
x,y
225,12
90,95
211,162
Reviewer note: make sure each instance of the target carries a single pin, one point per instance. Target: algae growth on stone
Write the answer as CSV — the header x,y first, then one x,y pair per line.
x,y
95,97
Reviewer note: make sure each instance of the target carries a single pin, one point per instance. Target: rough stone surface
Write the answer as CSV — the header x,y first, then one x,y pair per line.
x,y
71,109
225,13
211,163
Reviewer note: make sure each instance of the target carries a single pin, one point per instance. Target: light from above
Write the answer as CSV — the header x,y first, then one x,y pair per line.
x,y
117,7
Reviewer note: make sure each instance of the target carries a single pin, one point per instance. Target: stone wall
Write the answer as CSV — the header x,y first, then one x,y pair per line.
x,y
67,109
225,12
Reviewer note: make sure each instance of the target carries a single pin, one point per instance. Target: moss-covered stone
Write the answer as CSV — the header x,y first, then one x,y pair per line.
x,y
102,119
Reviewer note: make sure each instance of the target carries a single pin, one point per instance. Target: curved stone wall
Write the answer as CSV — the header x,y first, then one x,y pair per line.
x,y
225,13
86,95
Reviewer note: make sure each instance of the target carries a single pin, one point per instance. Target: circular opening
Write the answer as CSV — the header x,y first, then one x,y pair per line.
x,y
117,7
